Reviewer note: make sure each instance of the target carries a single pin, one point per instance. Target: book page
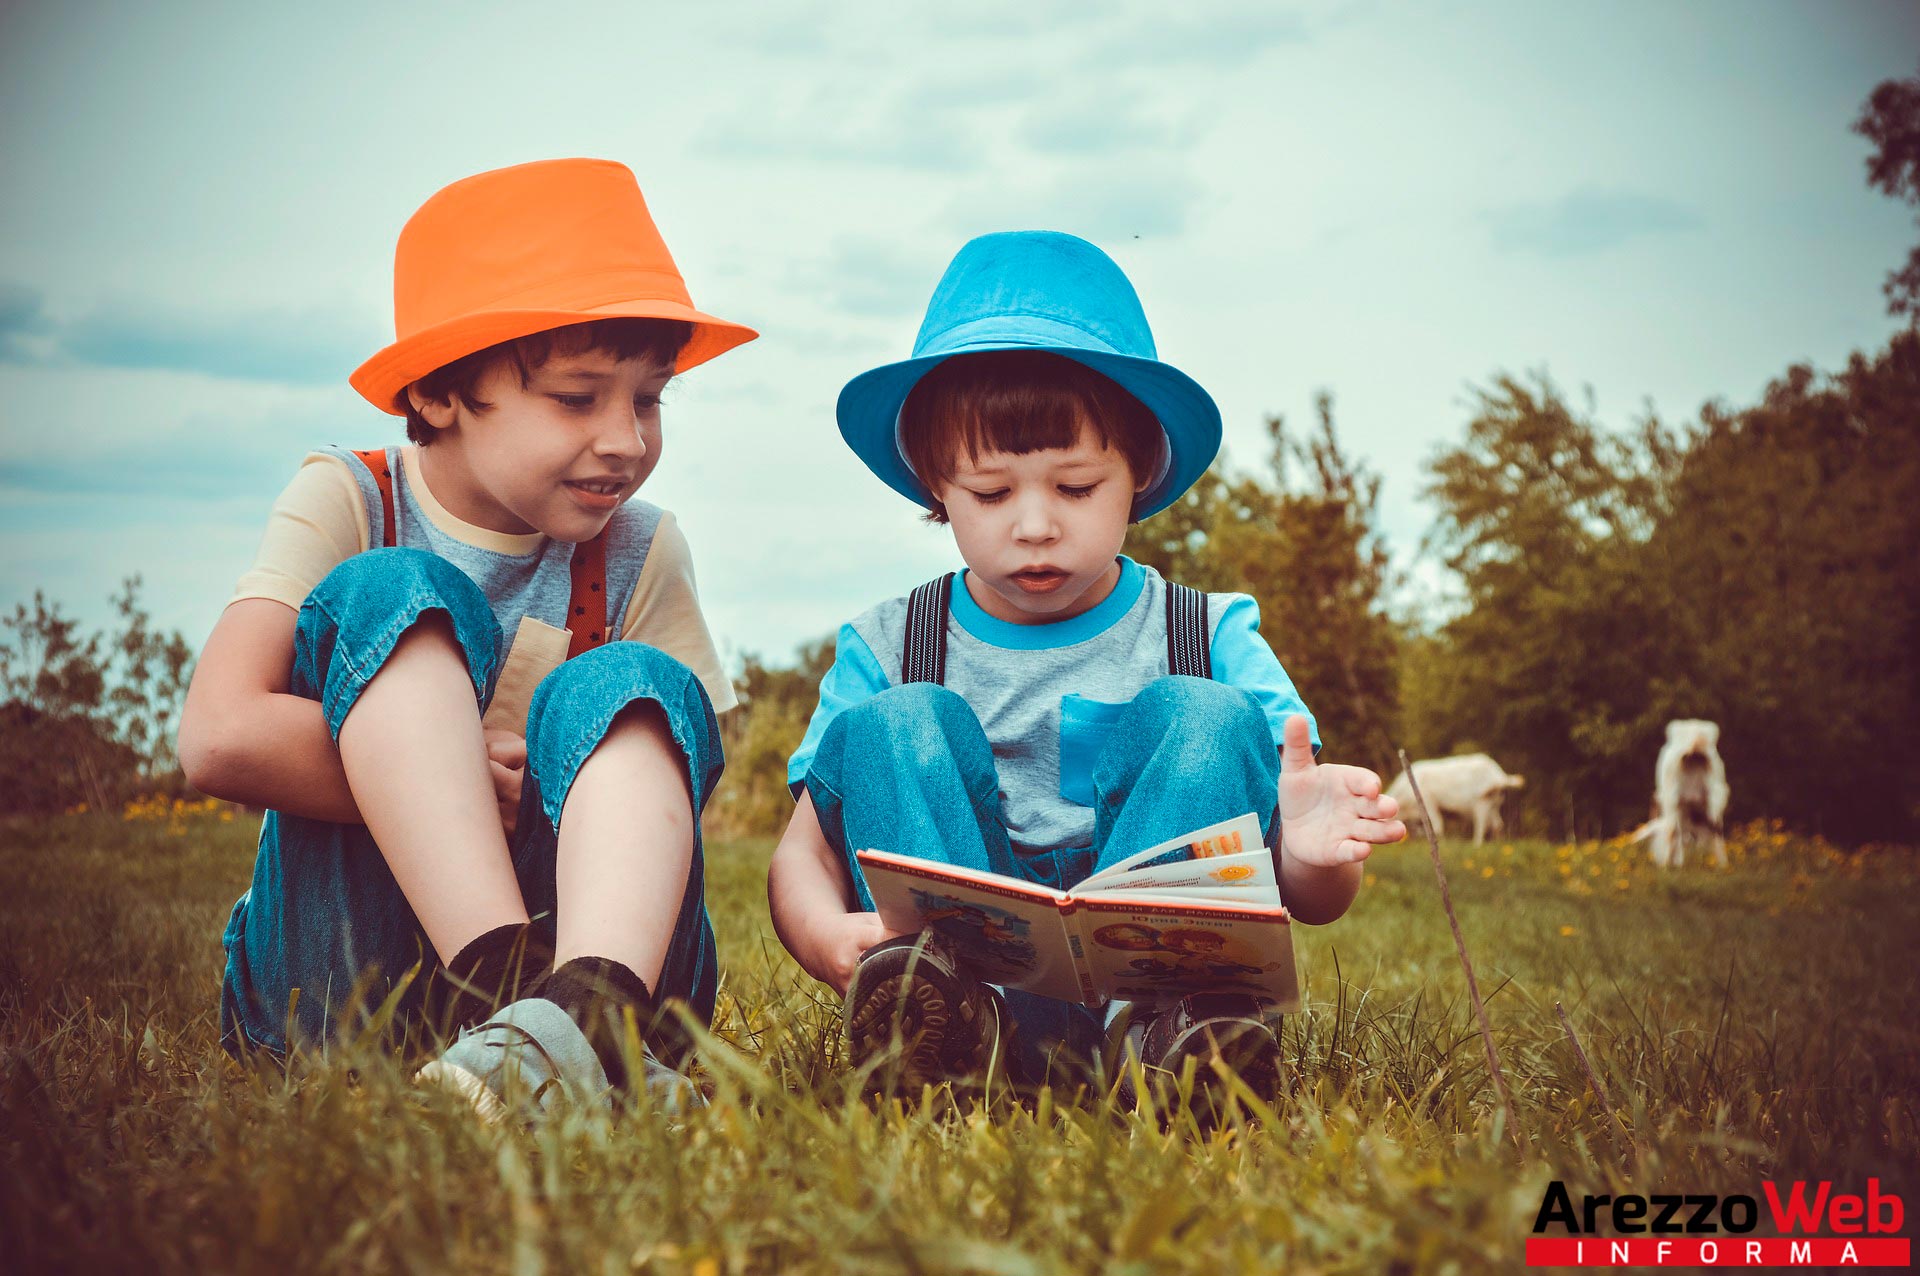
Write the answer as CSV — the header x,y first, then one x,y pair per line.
x,y
1145,948
1229,875
1229,837
1007,931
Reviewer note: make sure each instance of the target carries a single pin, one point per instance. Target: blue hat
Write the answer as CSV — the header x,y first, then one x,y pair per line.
x,y
1037,290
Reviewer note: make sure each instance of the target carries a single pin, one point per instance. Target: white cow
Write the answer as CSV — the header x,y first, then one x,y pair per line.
x,y
1470,784
1689,794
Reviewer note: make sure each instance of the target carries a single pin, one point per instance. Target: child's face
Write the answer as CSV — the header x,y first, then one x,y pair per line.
x,y
557,455
1040,530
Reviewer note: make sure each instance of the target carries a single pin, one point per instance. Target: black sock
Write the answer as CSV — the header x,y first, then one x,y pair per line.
x,y
501,966
597,993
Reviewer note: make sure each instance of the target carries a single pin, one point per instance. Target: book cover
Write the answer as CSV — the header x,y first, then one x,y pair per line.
x,y
1198,913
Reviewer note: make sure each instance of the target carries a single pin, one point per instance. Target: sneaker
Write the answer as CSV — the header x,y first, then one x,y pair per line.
x,y
913,990
1237,1028
531,1058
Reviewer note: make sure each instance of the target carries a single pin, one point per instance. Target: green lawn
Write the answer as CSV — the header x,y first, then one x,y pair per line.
x,y
1750,1024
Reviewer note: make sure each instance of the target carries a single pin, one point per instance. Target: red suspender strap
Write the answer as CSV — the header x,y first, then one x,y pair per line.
x,y
376,460
587,608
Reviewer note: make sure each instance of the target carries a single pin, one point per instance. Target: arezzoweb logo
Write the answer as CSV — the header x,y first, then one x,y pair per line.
x,y
1814,1226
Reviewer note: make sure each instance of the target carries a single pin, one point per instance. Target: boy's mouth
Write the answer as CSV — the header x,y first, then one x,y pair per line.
x,y
596,494
1042,580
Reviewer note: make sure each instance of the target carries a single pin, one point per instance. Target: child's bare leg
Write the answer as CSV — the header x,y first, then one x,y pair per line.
x,y
625,847
412,751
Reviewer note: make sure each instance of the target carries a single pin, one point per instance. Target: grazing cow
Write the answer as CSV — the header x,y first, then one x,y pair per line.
x,y
1689,794
1471,784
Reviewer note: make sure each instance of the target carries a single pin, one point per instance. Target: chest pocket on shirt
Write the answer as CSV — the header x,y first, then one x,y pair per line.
x,y
1085,726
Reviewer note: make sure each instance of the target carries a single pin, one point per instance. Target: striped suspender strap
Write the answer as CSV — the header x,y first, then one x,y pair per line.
x,y
1188,643
587,601
375,459
923,656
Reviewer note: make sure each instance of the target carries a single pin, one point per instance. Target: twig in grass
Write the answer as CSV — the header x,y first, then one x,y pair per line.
x,y
1466,963
1580,1053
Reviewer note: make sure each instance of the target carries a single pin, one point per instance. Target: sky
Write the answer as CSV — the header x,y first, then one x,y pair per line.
x,y
1392,203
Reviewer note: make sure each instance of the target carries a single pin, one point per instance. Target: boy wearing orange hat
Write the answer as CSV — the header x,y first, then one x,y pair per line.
x,y
469,678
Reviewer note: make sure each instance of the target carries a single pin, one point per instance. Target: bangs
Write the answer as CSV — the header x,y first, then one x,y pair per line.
x,y
1020,401
658,340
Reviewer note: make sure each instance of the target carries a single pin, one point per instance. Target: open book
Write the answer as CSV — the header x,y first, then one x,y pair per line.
x,y
1200,913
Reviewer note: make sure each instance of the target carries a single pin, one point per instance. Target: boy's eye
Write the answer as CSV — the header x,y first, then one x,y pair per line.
x,y
573,400
1078,492
645,402
989,498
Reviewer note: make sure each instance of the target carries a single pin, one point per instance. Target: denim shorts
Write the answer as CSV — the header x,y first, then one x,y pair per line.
x,y
324,935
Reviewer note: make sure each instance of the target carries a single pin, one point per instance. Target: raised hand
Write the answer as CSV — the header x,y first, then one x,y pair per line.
x,y
1333,814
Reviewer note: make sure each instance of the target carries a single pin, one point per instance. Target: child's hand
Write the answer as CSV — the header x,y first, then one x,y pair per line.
x,y
1330,815
507,764
838,944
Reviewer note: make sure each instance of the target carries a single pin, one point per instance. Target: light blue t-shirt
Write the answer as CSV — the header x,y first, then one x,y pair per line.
x,y
1048,695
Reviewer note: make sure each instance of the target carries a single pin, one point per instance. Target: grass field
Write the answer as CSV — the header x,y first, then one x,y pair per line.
x,y
1750,1024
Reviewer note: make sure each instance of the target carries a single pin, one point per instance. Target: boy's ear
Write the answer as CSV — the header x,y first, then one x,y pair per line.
x,y
438,413
1159,461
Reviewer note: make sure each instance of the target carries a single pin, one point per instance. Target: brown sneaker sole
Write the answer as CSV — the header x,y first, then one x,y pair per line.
x,y
915,1011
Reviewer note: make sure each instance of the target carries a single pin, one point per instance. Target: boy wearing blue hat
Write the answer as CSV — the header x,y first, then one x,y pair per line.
x,y
1055,706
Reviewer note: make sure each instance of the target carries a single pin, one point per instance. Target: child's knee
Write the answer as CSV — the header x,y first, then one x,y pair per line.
x,y
913,706
622,668
355,620
1199,706
377,596
917,724
624,689
642,723
602,684
395,578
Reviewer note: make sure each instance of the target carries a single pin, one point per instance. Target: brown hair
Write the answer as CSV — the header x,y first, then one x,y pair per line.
x,y
659,340
1020,401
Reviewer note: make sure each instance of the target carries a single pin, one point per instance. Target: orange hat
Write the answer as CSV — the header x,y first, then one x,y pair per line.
x,y
519,250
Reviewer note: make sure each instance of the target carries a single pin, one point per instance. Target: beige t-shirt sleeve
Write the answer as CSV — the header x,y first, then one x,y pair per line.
x,y
665,613
318,522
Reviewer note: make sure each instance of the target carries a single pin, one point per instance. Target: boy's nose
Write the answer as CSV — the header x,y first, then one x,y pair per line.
x,y
1034,523
622,436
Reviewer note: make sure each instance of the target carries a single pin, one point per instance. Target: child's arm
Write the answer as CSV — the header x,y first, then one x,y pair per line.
x,y
812,903
1331,816
244,738
1316,893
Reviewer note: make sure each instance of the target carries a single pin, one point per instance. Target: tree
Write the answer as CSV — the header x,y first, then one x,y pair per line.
x,y
1307,550
147,675
1792,546
759,737
1544,517
1758,570
1891,121
87,717
57,751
